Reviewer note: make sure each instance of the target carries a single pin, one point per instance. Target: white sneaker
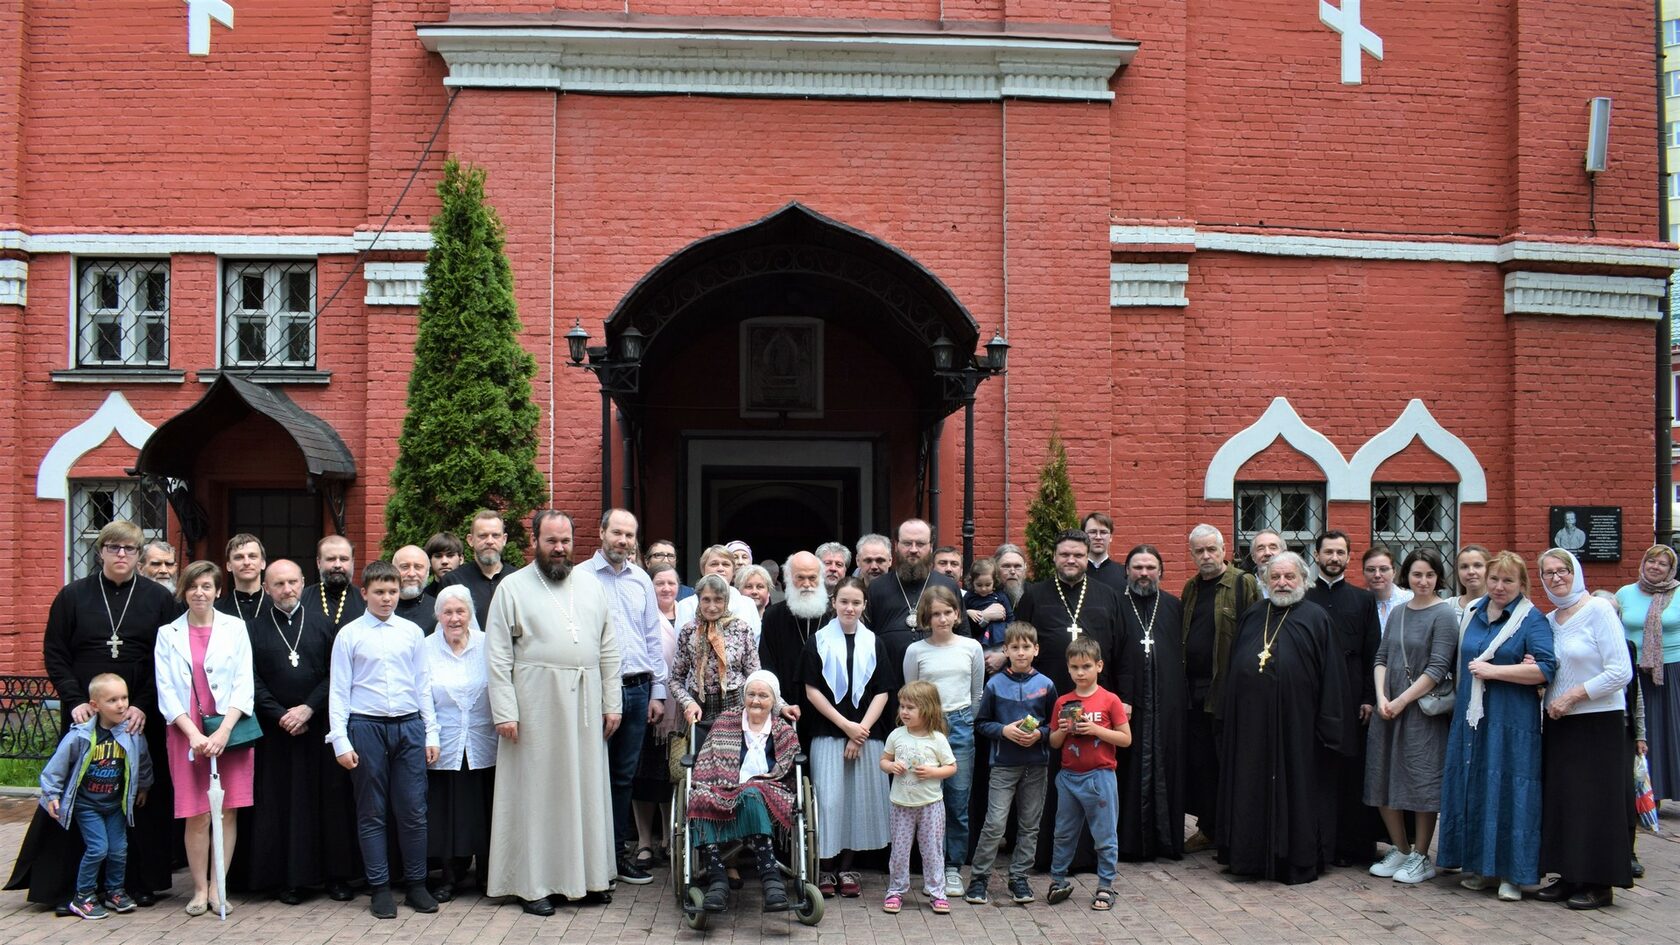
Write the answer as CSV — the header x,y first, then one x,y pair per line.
x,y
1416,869
953,882
1475,882
1509,892
1390,864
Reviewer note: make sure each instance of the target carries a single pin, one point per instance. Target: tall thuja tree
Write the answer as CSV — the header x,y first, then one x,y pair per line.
x,y
1052,511
469,440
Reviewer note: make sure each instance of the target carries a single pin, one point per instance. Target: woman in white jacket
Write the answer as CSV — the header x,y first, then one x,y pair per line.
x,y
203,663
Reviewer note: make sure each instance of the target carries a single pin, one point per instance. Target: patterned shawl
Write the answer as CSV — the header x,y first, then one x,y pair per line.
x,y
717,771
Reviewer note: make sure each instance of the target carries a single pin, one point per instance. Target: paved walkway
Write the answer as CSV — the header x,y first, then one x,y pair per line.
x,y
1185,903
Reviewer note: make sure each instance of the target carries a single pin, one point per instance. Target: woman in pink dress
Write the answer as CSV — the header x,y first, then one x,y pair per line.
x,y
203,663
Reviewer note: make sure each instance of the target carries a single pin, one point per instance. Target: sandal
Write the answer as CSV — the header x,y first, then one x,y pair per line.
x,y
644,857
892,905
1103,900
1060,890
941,905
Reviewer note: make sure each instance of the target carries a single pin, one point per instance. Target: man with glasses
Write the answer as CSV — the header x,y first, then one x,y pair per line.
x,y
662,551
1100,529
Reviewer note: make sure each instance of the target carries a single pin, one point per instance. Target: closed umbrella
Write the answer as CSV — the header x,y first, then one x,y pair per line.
x,y
219,860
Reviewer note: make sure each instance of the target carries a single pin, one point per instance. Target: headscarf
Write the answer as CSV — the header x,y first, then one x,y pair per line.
x,y
739,545
753,761
1650,649
1577,588
831,647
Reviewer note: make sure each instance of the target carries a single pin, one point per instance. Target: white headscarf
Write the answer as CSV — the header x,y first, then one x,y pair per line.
x,y
1577,590
754,760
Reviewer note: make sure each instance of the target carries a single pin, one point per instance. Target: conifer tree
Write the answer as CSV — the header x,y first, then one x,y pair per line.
x,y
469,440
1052,511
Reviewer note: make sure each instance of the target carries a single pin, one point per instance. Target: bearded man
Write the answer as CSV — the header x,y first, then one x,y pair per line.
x,y
335,599
413,603
891,607
790,622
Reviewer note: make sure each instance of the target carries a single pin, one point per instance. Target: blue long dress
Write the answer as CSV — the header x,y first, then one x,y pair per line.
x,y
1490,788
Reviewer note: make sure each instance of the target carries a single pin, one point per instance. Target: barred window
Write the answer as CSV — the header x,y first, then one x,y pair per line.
x,y
96,503
122,313
1294,510
1409,517
268,314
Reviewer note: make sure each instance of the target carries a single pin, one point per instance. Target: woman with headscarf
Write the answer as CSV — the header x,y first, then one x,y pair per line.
x,y
717,560
1651,617
461,784
1586,807
715,654
738,792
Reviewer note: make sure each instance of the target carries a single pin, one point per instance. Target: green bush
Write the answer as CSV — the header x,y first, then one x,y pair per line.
x,y
1052,511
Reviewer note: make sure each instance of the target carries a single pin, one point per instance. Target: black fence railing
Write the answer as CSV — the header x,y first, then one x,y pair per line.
x,y
28,717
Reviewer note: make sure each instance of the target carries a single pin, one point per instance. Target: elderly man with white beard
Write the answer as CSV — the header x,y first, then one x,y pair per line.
x,y
790,622
413,603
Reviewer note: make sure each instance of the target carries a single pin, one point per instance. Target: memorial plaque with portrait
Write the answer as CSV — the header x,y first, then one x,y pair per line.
x,y
1592,532
781,367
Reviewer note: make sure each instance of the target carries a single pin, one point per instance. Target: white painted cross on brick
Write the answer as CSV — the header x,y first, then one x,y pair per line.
x,y
199,15
1356,38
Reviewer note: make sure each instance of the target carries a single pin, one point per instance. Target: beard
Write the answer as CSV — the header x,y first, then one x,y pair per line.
x,y
410,591
554,566
1331,569
1143,587
335,579
807,605
912,571
1290,598
487,558
167,583
1014,590
614,556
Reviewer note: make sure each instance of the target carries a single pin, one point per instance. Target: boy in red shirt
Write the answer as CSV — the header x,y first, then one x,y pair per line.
x,y
1090,724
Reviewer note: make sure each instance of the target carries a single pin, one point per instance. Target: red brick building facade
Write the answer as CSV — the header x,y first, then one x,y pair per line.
x,y
1253,273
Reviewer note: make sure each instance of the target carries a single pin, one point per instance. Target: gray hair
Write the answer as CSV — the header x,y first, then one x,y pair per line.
x,y
874,538
159,545
1205,531
1285,557
714,583
747,571
834,547
1007,548
457,592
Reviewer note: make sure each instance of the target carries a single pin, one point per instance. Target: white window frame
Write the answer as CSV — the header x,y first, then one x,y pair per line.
x,y
1671,134
82,529
129,319
1674,186
275,319
1671,32
1298,540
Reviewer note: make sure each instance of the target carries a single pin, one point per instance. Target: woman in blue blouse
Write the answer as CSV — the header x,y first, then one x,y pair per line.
x,y
1651,616
1490,788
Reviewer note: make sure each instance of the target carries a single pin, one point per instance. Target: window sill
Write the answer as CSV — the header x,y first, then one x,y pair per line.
x,y
118,376
301,376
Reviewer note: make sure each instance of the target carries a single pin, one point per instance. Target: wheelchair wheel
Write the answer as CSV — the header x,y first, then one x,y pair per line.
x,y
694,915
810,912
812,865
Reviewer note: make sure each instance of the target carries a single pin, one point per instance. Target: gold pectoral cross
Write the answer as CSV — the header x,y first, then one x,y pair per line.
x,y
1265,656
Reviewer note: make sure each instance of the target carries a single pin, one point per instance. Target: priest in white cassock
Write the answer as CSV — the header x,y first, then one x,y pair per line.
x,y
554,696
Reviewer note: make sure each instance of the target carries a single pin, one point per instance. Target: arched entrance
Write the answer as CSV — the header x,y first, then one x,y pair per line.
x,y
786,393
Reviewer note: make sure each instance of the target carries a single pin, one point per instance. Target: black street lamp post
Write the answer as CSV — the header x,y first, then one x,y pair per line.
x,y
961,381
619,374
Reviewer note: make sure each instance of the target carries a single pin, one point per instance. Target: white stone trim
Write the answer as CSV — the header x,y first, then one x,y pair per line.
x,y
14,282
1552,293
1279,420
398,283
772,64
115,415
1133,284
164,244
1416,422
1269,244
404,240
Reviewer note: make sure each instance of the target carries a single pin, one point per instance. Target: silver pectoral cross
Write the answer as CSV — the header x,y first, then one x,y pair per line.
x,y
1148,646
116,643
1073,631
293,657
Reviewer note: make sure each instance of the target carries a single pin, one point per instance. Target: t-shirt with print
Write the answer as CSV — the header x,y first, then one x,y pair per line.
x,y
908,790
102,784
1088,752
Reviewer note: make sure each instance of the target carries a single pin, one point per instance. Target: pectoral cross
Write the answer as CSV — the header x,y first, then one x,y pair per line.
x,y
293,657
1265,655
1073,630
1149,646
115,642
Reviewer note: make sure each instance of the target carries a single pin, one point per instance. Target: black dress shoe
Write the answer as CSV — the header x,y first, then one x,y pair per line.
x,y
144,898
290,896
420,898
540,907
1555,891
1638,869
445,892
340,892
1590,898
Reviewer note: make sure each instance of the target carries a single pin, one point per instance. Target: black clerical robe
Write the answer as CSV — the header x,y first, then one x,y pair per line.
x,y
1109,572
247,607
481,586
1353,616
1151,772
75,648
422,611
301,828
337,608
892,602
1281,738
781,650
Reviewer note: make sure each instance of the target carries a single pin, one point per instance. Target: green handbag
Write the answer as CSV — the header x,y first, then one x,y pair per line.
x,y
245,731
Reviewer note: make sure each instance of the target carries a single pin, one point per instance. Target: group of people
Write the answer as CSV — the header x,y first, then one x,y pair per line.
x,y
399,734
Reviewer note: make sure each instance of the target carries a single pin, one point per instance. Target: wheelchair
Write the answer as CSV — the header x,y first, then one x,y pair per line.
x,y
795,846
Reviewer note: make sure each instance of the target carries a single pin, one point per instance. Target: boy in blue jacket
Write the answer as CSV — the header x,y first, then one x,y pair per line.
x,y
1013,710
97,776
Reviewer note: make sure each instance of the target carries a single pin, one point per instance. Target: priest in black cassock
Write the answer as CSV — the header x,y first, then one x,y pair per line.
x,y
413,603
245,597
893,597
788,626
335,599
1071,603
1282,735
300,830
106,622
1099,527
1353,615
1150,681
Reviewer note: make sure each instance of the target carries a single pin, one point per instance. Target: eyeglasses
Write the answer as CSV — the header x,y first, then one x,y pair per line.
x,y
661,555
1554,575
121,550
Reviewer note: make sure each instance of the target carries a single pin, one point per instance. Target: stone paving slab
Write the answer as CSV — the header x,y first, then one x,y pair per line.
x,y
1184,903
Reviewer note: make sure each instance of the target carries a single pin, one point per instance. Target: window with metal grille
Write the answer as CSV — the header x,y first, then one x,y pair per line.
x,y
1294,510
268,314
96,503
122,313
1408,517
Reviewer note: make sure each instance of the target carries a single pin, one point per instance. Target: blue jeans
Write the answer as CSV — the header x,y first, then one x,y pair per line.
x,y
958,786
1087,798
390,776
105,834
624,753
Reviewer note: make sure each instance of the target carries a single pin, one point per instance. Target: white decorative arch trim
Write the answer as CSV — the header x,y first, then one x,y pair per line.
x,y
1416,422
1279,420
115,415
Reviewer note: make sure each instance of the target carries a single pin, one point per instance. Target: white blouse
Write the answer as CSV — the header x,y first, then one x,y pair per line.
x,y
1591,653
459,691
